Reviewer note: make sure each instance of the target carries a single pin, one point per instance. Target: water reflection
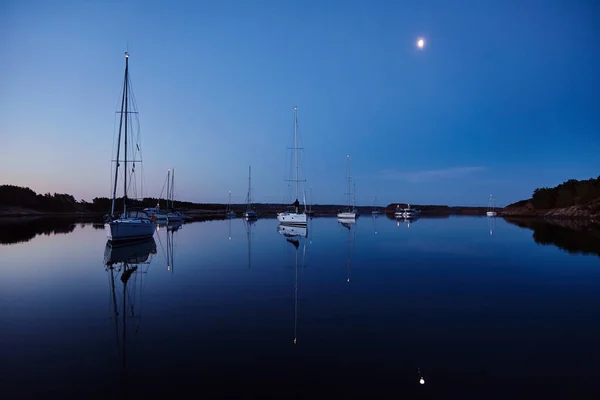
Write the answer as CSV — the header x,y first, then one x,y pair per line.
x,y
491,225
127,262
573,236
375,216
295,241
405,221
170,228
351,227
22,230
292,231
248,223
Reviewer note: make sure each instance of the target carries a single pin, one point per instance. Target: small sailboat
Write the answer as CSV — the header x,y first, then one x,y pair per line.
x,y
172,214
350,212
375,211
294,217
229,212
158,213
250,213
131,224
491,212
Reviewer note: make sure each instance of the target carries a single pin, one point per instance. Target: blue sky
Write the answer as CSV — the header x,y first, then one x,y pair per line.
x,y
503,99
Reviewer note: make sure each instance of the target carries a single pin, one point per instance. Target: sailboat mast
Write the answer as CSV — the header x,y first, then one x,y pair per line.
x,y
173,189
112,207
168,187
349,181
296,147
125,142
249,188
354,194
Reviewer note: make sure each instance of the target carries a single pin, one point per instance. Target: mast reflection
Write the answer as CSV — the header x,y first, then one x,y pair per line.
x,y
351,227
293,235
128,262
248,224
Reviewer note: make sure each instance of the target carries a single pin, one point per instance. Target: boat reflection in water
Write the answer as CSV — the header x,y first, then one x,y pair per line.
x,y
295,235
171,227
248,224
375,216
351,227
292,231
407,221
126,265
491,225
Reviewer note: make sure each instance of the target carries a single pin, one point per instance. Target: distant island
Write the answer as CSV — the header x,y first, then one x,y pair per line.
x,y
16,201
572,199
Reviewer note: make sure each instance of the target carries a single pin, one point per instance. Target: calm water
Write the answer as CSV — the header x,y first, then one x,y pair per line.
x,y
358,310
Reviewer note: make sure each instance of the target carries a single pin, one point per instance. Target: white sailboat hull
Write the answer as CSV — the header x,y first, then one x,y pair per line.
x,y
129,229
288,218
491,213
347,215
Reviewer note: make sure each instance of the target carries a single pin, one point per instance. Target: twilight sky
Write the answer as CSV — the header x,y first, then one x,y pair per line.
x,y
503,99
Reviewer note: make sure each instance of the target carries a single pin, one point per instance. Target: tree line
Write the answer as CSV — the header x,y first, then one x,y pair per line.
x,y
567,194
24,197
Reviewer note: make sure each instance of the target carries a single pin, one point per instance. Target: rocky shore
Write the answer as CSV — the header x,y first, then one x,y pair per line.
x,y
526,209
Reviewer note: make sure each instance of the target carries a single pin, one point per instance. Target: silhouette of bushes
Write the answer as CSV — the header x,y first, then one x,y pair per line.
x,y
567,194
24,197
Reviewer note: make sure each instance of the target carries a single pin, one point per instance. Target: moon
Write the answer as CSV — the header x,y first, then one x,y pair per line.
x,y
420,43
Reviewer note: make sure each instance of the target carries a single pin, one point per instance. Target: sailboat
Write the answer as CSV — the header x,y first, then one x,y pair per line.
x,y
130,225
375,209
350,212
294,217
249,213
491,207
229,212
172,214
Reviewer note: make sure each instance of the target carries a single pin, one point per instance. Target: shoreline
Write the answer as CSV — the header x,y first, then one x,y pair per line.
x,y
218,211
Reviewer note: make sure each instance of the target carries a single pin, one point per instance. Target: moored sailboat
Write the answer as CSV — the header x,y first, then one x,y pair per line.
x,y
131,224
250,213
294,216
350,212
229,212
491,212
